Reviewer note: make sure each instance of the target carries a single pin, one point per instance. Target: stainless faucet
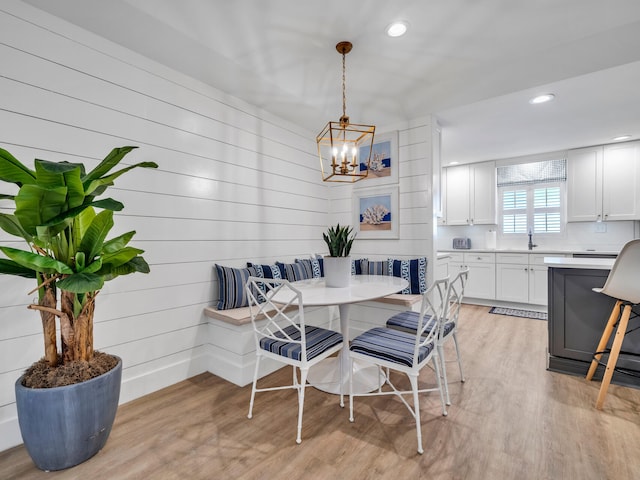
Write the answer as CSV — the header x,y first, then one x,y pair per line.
x,y
531,244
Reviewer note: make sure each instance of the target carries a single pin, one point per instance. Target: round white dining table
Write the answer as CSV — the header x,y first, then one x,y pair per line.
x,y
326,375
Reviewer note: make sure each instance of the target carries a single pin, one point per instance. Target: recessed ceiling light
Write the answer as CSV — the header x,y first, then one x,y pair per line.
x,y
454,163
621,137
546,97
397,29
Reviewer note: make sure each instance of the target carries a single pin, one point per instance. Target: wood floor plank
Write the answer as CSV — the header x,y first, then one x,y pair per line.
x,y
511,419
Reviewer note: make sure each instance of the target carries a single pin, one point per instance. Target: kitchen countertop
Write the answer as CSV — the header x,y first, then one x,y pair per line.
x,y
544,251
585,263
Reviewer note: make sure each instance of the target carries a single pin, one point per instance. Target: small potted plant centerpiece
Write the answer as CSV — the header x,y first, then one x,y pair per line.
x,y
67,401
337,266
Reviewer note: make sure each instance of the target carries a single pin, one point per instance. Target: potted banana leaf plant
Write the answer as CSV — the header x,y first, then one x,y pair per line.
x,y
337,266
67,401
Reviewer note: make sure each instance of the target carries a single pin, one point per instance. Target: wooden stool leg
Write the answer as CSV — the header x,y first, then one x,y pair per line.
x,y
608,329
613,356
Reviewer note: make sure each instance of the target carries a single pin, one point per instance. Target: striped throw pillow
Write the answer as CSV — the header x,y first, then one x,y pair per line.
x,y
232,289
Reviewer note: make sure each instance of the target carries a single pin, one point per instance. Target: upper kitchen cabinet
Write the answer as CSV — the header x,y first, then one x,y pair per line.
x,y
602,183
470,194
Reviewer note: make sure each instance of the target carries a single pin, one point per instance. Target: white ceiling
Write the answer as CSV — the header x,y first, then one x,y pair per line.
x,y
473,64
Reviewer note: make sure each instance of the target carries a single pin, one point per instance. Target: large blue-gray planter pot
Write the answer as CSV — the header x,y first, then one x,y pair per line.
x,y
64,426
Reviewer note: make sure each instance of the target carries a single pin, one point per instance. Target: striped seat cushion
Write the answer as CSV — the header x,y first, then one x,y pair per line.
x,y
319,340
391,345
408,322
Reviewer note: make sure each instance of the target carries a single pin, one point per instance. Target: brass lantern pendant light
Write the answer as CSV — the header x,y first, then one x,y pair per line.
x,y
345,148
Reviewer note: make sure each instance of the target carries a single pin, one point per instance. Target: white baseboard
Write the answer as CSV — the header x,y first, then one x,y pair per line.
x,y
10,433
238,369
136,384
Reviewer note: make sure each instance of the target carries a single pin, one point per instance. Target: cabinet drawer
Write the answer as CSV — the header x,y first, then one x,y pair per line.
x,y
518,258
456,257
479,257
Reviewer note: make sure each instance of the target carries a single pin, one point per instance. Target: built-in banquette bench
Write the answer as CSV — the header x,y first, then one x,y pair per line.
x,y
232,344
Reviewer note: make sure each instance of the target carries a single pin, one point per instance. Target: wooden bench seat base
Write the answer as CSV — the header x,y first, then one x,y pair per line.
x,y
236,316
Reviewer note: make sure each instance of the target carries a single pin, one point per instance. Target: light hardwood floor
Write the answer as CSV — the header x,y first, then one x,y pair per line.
x,y
511,419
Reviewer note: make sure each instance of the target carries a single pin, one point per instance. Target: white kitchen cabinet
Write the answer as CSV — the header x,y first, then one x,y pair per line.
x,y
512,277
515,277
603,182
442,268
457,197
442,214
481,282
521,278
470,194
538,285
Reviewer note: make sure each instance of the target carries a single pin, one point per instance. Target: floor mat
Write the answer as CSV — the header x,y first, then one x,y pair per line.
x,y
516,312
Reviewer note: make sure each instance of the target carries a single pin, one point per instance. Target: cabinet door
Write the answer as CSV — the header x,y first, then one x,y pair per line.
x,y
481,282
584,184
442,215
483,194
512,282
457,195
442,268
620,181
538,285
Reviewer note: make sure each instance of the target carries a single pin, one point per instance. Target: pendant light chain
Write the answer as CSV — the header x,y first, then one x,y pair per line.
x,y
344,86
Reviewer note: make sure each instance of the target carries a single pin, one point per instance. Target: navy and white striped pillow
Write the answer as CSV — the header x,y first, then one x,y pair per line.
x,y
293,271
376,268
265,271
414,271
232,289
311,266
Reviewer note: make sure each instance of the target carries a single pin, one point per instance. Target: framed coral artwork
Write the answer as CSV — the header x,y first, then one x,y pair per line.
x,y
376,212
383,168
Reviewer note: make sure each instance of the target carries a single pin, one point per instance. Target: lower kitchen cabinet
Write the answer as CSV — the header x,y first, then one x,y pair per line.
x,y
538,285
512,282
521,278
442,268
481,282
515,277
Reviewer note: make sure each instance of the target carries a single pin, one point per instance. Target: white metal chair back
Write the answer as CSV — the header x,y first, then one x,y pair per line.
x,y
277,321
430,320
452,305
623,282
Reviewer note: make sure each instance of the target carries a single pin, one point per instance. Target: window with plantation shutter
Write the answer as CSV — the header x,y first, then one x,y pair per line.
x,y
531,197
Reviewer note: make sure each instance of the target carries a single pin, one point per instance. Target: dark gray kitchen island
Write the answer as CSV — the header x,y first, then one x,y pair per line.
x,y
578,315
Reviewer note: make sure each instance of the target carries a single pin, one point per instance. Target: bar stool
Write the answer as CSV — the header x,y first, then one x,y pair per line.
x,y
623,284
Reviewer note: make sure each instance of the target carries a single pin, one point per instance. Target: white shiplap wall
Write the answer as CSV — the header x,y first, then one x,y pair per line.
x,y
233,184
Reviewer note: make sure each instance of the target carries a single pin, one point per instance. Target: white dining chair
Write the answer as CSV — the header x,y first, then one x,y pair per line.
x,y
408,353
408,321
623,284
281,334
